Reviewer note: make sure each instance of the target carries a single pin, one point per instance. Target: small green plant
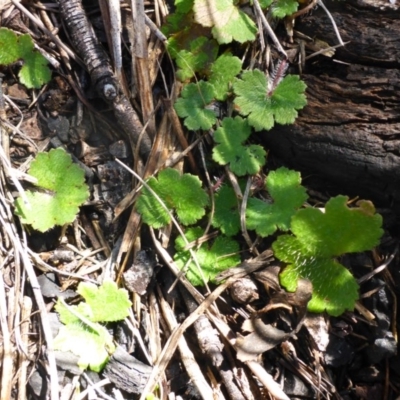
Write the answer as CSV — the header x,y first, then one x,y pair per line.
x,y
34,73
61,190
317,239
262,100
81,333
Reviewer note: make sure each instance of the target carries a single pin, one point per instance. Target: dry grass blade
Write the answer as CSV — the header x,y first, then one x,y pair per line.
x,y
8,350
20,252
188,359
176,334
24,347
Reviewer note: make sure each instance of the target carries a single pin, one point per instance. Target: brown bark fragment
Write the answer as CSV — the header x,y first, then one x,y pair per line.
x,y
350,130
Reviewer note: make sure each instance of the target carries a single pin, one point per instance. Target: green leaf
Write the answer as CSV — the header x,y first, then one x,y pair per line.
x,y
92,346
35,72
317,238
182,193
107,302
230,136
227,21
9,50
281,8
183,6
82,334
79,311
265,3
285,188
226,216
212,259
223,71
56,173
197,58
263,106
192,106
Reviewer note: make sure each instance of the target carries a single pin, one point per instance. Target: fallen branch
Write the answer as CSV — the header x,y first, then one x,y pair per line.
x,y
101,73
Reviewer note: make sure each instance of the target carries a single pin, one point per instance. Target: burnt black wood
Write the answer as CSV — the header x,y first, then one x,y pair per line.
x,y
349,133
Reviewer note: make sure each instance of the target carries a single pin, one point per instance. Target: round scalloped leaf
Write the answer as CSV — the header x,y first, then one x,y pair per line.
x,y
107,302
201,53
192,106
339,229
335,290
230,136
282,8
321,236
34,73
263,109
223,72
228,22
9,49
182,193
92,347
67,191
284,186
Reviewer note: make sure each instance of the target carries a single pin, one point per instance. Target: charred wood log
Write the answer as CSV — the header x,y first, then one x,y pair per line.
x,y
349,132
99,67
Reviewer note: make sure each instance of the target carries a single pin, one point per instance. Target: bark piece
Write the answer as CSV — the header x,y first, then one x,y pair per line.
x,y
350,130
139,275
126,372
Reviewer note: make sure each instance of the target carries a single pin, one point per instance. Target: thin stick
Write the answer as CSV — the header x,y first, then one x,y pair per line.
x,y
8,351
332,20
192,367
268,28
